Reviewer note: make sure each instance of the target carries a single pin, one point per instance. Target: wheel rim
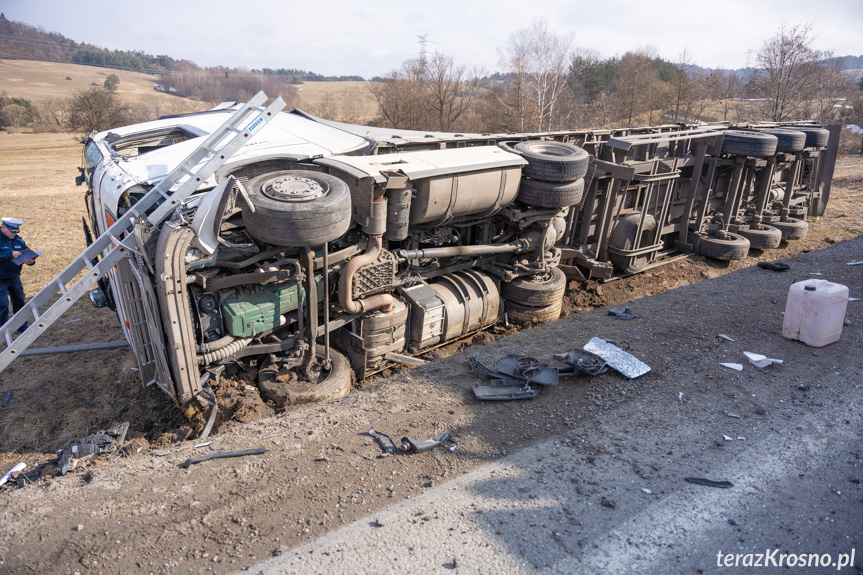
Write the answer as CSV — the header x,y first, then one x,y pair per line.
x,y
294,189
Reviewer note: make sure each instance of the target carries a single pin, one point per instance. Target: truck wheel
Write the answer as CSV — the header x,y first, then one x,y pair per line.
x,y
743,143
527,315
815,137
762,237
792,229
297,208
538,290
788,140
553,161
283,387
733,247
550,195
623,238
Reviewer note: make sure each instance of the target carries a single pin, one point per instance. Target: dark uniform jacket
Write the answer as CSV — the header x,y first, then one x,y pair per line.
x,y
8,268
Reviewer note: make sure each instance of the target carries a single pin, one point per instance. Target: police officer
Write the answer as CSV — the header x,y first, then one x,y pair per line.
x,y
11,247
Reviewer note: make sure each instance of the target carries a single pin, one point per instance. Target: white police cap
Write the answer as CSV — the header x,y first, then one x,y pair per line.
x,y
12,223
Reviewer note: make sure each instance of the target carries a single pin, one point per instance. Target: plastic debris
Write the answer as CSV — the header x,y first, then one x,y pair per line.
x,y
7,398
709,482
759,360
775,266
853,299
727,438
734,366
103,441
734,415
205,444
620,361
857,263
680,396
646,490
723,336
15,469
624,313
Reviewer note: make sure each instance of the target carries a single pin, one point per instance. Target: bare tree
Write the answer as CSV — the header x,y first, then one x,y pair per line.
x,y
327,108
788,74
637,86
537,60
450,92
400,96
95,110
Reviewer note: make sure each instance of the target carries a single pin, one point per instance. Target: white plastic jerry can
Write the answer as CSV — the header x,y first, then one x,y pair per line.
x,y
815,312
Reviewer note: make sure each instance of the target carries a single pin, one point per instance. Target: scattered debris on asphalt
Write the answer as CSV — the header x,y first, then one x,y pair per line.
x,y
646,490
855,263
759,360
709,482
7,398
223,454
103,441
501,389
408,445
726,438
734,415
775,266
853,299
620,361
624,313
723,336
205,444
15,469
734,366
607,503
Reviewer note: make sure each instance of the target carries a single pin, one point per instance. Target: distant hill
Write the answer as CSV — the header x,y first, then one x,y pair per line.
x,y
21,41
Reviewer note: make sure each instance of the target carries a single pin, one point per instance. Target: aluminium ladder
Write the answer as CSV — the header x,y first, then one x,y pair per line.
x,y
166,196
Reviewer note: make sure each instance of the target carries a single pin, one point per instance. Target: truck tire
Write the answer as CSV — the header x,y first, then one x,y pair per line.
x,y
792,229
550,195
743,143
297,208
787,140
762,237
537,290
623,238
815,137
553,161
527,315
284,391
734,247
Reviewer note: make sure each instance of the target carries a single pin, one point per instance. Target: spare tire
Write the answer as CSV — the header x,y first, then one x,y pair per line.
x,y
553,161
537,290
550,195
732,247
762,237
743,143
788,140
792,229
297,208
815,137
527,315
623,238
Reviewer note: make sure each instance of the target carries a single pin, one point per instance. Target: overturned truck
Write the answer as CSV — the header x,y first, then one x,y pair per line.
x,y
311,251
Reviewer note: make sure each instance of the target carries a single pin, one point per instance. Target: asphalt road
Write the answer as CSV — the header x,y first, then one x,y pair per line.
x,y
609,495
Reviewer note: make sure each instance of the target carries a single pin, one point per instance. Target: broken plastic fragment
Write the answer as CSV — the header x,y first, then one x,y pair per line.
x,y
723,336
857,263
816,274
853,299
419,445
759,360
646,490
709,483
727,438
624,313
385,441
734,366
100,442
15,469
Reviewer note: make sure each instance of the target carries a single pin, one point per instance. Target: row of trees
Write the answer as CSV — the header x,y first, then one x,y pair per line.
x,y
547,83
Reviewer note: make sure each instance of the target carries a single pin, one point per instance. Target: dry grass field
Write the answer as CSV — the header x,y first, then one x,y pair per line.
x,y
46,82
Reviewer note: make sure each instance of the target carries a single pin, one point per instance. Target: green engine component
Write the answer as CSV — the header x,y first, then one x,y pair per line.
x,y
248,314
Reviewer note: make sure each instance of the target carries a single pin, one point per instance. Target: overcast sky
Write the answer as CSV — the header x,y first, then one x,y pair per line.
x,y
372,37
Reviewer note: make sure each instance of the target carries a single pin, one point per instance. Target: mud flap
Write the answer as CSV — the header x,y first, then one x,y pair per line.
x,y
505,389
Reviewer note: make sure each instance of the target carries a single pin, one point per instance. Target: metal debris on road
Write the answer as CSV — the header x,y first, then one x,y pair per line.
x,y
222,454
621,361
709,482
408,445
